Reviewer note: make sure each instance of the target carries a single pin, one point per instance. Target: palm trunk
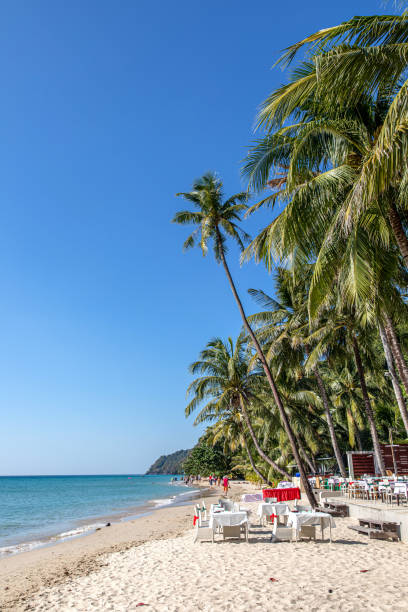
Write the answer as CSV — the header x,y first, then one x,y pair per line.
x,y
398,231
394,462
252,462
368,409
330,423
396,351
394,379
308,460
357,434
261,453
284,418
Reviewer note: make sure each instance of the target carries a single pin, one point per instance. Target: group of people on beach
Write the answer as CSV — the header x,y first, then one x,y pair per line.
x,y
190,479
213,480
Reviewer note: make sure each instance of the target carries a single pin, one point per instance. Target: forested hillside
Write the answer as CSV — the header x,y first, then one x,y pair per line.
x,y
169,464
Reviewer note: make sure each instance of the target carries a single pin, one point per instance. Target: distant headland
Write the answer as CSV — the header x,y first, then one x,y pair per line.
x,y
169,464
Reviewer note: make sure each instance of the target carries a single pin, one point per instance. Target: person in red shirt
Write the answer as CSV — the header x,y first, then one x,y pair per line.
x,y
225,484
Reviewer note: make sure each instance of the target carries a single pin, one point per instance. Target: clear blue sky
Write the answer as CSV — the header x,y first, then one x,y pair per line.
x,y
107,109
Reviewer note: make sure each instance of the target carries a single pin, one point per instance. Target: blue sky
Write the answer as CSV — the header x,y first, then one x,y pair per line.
x,y
108,109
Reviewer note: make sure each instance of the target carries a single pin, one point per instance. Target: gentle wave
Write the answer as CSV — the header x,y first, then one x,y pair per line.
x,y
24,547
61,537
159,503
163,502
87,529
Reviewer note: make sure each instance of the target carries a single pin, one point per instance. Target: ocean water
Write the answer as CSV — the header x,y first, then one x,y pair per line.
x,y
39,510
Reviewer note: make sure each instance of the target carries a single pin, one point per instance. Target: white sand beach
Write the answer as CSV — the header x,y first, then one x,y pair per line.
x,y
176,574
168,572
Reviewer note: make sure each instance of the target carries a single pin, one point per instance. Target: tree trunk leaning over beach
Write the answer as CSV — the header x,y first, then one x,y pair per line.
x,y
302,451
398,231
394,378
368,409
210,213
261,453
396,351
357,435
252,462
330,424
284,418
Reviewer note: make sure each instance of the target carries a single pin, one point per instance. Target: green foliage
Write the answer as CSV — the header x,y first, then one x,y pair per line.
x,y
205,460
215,217
331,165
250,476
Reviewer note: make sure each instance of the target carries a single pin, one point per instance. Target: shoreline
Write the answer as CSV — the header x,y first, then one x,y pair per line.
x,y
81,527
24,573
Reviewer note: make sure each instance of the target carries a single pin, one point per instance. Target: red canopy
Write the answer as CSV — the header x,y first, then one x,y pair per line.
x,y
282,494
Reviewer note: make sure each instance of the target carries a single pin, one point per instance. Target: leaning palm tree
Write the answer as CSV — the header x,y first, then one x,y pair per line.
x,y
215,220
229,388
340,332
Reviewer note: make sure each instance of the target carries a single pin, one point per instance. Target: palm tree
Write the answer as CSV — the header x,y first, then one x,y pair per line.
x,y
325,156
215,219
225,381
339,331
230,429
287,321
323,216
363,57
394,378
286,324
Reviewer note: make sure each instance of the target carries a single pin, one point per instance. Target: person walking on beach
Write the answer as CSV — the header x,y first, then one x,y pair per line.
x,y
225,484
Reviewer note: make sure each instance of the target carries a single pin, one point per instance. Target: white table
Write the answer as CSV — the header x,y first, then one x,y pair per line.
x,y
228,519
297,519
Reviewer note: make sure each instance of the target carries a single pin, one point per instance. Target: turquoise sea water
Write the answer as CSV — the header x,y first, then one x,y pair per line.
x,y
37,510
